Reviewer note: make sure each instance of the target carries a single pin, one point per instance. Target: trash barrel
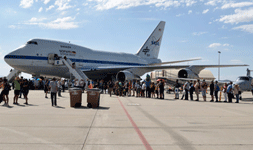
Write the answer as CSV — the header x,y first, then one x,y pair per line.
x,y
75,97
93,97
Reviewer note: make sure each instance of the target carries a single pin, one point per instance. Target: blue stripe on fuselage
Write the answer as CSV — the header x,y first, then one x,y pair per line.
x,y
73,60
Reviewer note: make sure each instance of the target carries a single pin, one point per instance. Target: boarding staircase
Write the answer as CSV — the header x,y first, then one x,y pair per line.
x,y
13,73
77,73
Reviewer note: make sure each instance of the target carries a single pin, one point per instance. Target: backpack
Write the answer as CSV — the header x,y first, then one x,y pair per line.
x,y
217,88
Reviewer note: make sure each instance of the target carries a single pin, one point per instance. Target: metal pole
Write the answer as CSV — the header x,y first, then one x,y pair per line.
x,y
219,67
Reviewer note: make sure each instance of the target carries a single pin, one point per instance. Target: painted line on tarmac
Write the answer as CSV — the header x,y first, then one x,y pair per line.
x,y
143,139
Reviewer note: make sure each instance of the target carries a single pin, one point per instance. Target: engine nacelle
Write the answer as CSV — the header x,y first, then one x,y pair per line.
x,y
187,73
125,75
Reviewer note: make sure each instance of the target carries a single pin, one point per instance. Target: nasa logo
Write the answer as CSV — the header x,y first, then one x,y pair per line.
x,y
155,42
146,50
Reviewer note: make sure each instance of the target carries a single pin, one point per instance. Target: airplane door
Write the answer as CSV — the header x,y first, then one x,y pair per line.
x,y
51,59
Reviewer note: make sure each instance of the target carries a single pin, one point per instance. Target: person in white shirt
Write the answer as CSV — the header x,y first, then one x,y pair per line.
x,y
76,83
59,87
143,88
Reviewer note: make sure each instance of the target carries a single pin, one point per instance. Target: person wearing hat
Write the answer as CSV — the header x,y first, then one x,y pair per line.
x,y
54,89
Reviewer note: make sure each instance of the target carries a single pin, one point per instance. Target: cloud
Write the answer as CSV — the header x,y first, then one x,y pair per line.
x,y
246,28
239,16
212,3
26,3
124,4
40,10
205,11
236,5
214,45
50,7
226,44
63,4
46,1
198,33
179,15
190,11
59,23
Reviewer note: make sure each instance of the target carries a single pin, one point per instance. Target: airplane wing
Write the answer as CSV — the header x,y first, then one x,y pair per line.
x,y
173,62
195,68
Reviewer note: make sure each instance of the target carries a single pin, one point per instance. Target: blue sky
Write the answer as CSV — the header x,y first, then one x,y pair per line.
x,y
194,28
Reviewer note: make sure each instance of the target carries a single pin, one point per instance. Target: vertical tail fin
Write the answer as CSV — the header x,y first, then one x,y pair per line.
x,y
150,49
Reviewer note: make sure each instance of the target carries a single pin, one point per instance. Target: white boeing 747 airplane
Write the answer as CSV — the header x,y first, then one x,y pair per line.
x,y
43,57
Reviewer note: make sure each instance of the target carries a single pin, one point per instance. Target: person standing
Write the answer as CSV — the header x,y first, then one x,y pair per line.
x,y
230,92
63,85
46,88
216,90
197,89
177,86
54,89
5,92
236,92
59,87
21,87
211,91
16,90
186,87
225,92
192,89
110,87
161,88
204,87
26,90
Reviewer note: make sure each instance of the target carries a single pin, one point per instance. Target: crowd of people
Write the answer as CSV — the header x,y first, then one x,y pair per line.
x,y
227,90
135,88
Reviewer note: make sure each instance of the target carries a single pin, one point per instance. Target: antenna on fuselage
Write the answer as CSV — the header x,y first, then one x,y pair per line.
x,y
248,72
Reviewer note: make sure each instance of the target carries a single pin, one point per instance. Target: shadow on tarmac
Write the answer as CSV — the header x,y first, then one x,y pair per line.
x,y
84,107
59,107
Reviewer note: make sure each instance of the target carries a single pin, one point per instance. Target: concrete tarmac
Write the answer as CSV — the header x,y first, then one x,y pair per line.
x,y
126,123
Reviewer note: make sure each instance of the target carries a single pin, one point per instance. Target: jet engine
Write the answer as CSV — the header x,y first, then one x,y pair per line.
x,y
125,75
187,73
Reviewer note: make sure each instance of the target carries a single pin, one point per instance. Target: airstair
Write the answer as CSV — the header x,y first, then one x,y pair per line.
x,y
13,73
77,73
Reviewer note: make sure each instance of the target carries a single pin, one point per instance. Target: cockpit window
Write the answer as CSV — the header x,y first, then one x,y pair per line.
x,y
32,42
243,78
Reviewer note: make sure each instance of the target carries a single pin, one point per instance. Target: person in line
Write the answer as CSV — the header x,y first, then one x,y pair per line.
x,y
183,92
54,89
21,87
237,92
110,87
46,88
230,92
225,92
204,88
133,87
186,87
152,90
211,91
76,83
216,90
192,89
16,90
5,91
138,87
157,89
82,84
143,89
26,90
63,84
161,87
59,87
177,86
197,89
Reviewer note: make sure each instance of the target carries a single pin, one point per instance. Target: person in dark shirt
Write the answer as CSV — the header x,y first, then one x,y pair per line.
x,y
211,90
161,87
177,86
21,81
192,89
26,90
110,86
